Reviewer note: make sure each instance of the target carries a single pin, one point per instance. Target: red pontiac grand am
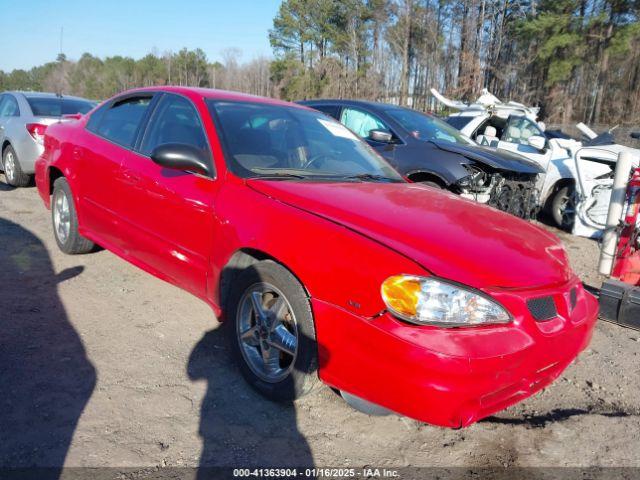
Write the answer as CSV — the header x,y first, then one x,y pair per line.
x,y
323,262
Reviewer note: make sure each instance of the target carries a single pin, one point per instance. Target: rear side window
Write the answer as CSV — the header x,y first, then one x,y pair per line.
x,y
459,122
55,107
175,120
9,107
121,121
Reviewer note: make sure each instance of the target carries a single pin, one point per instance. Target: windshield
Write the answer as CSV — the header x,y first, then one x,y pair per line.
x,y
262,140
425,127
56,107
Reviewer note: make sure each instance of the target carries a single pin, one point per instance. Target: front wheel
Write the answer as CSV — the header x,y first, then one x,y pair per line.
x,y
65,220
563,208
271,332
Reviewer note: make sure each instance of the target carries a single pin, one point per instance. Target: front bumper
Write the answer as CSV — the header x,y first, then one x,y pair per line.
x,y
451,377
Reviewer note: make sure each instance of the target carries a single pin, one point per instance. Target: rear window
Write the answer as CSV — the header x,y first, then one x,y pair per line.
x,y
56,107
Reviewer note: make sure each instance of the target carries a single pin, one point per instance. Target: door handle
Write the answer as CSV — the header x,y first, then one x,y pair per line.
x,y
130,176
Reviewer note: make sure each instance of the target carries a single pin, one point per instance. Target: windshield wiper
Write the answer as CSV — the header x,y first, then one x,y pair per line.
x,y
371,176
272,176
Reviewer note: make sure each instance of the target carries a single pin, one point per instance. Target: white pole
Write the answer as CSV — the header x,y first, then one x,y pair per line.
x,y
616,209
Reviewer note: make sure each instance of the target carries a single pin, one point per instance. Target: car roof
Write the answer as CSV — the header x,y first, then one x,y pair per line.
x,y
353,103
215,94
30,94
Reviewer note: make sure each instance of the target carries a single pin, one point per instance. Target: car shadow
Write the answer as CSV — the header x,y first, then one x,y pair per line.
x,y
555,416
46,378
239,427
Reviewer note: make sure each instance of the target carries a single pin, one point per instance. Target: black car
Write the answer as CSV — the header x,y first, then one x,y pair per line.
x,y
425,149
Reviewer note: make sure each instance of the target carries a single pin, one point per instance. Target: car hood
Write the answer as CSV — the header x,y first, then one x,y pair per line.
x,y
451,237
498,159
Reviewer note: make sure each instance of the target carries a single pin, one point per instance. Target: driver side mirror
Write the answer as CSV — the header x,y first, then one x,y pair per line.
x,y
538,142
180,156
380,136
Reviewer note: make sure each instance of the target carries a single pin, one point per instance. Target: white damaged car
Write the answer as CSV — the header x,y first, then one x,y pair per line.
x,y
515,127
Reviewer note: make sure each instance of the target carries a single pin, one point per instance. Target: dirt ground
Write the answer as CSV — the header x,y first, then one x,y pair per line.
x,y
104,365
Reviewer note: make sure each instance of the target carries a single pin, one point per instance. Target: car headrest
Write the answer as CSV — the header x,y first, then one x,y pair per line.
x,y
490,131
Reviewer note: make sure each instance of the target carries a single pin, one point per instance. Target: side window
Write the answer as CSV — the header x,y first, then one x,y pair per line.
x,y
9,107
519,129
361,123
458,122
94,119
331,110
175,120
121,121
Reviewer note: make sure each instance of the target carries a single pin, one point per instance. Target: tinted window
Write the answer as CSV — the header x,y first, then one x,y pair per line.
x,y
425,127
55,107
96,116
287,142
361,123
331,110
121,121
459,122
175,120
9,107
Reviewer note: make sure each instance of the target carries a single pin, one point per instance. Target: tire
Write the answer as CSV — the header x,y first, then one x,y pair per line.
x,y
277,375
67,236
13,173
563,208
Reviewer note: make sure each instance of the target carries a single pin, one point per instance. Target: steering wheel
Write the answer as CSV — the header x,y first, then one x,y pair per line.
x,y
314,159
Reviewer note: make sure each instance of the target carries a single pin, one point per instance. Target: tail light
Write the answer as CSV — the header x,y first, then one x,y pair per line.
x,y
36,130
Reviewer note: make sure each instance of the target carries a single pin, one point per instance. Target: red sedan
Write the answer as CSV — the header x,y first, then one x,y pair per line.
x,y
323,263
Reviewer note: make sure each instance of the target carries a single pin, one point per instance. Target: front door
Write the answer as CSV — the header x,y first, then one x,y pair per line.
x,y
361,123
515,138
167,215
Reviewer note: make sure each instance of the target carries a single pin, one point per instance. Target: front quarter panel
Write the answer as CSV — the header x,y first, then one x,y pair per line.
x,y
335,264
418,156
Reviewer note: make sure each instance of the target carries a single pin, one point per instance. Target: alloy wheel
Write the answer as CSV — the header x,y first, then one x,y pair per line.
x,y
61,216
9,166
567,212
267,332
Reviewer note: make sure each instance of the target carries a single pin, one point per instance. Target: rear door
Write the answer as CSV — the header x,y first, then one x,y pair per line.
x,y
3,101
9,115
515,138
167,215
110,134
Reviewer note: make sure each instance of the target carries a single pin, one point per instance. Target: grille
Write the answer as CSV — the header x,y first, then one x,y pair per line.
x,y
573,297
543,308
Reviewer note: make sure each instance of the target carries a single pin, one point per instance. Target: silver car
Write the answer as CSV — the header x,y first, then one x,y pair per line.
x,y
24,116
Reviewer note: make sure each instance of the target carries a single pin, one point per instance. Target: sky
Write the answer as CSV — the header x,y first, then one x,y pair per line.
x,y
30,33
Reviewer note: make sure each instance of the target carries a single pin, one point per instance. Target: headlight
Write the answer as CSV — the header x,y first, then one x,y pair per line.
x,y
427,301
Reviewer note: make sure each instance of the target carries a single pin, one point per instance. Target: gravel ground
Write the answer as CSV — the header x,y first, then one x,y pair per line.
x,y
104,365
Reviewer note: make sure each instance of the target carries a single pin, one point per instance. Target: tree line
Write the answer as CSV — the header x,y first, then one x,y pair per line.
x,y
577,59
99,78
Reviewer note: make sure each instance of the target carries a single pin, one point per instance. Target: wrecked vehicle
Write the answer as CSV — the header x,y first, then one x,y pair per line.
x,y
425,149
321,262
512,126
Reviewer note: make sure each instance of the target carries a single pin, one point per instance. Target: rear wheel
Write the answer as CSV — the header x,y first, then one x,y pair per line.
x,y
13,173
563,208
65,220
271,332
432,184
